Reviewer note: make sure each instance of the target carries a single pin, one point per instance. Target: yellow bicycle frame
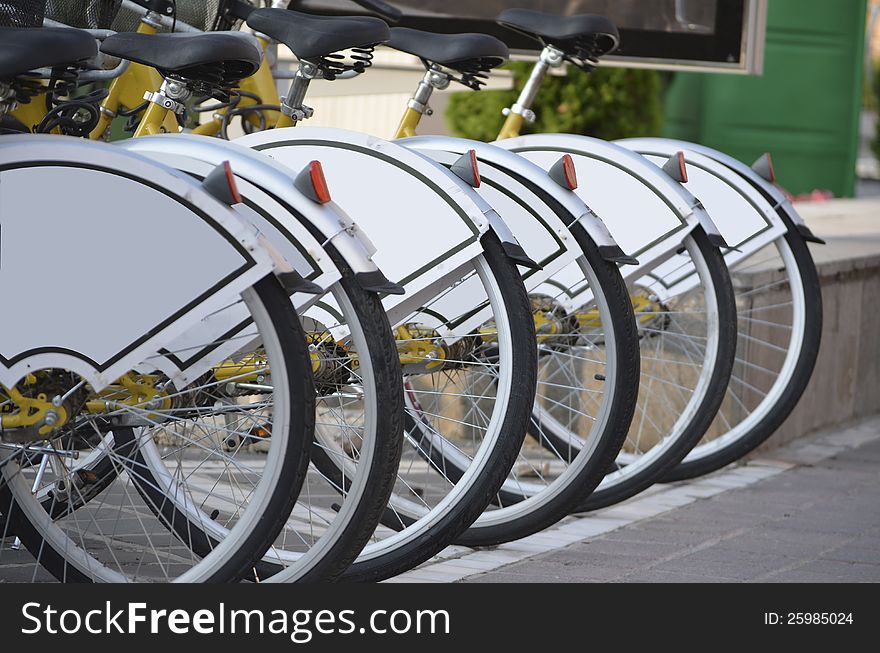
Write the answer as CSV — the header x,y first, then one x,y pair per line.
x,y
32,113
128,90
408,124
261,84
411,119
512,126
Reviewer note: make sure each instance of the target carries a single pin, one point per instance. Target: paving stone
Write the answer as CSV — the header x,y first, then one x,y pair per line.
x,y
728,564
503,577
851,553
657,576
610,547
846,571
818,522
476,565
523,547
578,563
798,576
784,543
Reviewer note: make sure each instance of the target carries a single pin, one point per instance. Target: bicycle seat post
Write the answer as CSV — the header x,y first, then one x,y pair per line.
x,y
292,106
580,39
463,58
319,43
417,106
171,96
521,111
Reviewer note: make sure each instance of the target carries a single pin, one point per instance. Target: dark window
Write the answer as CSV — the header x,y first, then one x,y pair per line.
x,y
709,31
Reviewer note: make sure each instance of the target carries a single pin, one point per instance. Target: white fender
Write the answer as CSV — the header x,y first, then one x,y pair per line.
x,y
517,192
771,192
745,218
270,202
646,211
293,223
82,221
426,223
526,175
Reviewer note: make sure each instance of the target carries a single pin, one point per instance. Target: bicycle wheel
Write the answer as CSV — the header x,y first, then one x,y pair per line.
x,y
473,394
688,345
130,530
358,427
586,395
779,322
357,448
357,371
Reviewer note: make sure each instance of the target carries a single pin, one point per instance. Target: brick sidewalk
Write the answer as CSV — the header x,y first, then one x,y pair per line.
x,y
806,512
817,522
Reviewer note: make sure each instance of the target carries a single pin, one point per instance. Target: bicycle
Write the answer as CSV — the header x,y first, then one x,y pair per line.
x,y
588,363
292,93
359,354
106,386
656,220
412,347
779,312
761,394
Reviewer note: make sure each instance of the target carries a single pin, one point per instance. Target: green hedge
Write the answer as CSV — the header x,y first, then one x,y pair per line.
x,y
608,103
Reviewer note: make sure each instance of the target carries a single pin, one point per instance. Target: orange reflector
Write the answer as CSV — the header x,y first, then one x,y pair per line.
x,y
570,172
770,169
230,180
261,432
319,182
682,166
476,169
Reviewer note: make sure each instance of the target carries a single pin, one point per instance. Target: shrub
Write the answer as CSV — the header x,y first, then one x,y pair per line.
x,y
608,103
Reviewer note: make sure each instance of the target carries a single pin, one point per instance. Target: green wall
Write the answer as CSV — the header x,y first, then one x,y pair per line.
x,y
805,107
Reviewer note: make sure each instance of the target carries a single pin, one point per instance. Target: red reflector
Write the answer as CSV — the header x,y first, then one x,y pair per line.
x,y
319,182
570,172
682,166
233,187
476,168
770,168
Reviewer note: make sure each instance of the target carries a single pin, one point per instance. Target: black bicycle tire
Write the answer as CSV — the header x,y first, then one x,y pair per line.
x,y
498,464
705,413
389,432
291,477
623,406
795,389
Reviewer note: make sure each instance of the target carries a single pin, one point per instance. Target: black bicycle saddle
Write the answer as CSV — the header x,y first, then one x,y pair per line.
x,y
26,48
455,51
224,57
584,36
315,37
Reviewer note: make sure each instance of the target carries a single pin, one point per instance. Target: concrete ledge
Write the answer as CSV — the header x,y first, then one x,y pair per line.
x,y
845,385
